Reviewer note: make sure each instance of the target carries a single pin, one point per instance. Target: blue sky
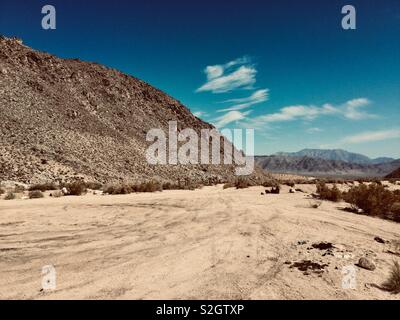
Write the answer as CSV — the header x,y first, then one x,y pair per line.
x,y
285,68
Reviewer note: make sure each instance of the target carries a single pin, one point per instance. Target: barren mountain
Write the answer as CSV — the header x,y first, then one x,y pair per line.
x,y
319,166
336,154
64,118
394,174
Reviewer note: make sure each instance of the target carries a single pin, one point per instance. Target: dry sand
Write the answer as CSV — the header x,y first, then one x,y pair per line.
x,y
204,244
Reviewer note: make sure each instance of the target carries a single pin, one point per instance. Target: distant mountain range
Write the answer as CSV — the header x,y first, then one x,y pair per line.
x,y
336,154
320,162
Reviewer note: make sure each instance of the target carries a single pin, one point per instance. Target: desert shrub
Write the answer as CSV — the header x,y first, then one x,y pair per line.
x,y
56,194
93,185
151,186
43,186
290,184
228,185
118,189
10,196
35,194
76,188
393,283
242,183
373,199
270,183
395,211
168,186
324,193
2,191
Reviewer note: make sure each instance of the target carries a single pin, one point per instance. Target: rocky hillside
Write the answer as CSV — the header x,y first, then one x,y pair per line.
x,y
64,119
395,174
318,166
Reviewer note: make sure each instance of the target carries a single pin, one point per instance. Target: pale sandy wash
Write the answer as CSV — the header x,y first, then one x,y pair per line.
x,y
203,244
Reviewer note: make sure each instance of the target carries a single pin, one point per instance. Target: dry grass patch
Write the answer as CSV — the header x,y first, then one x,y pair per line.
x,y
392,284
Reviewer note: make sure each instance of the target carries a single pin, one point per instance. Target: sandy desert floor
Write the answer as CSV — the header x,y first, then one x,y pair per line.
x,y
203,244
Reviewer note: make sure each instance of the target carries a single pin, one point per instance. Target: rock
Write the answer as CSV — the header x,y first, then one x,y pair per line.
x,y
380,240
366,264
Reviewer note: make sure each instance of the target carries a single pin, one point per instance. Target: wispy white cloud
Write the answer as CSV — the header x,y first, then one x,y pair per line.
x,y
314,130
351,109
229,117
291,113
370,136
243,103
221,78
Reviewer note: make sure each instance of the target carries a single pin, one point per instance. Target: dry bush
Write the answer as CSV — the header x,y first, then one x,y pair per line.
x,y
169,186
43,186
270,183
228,185
333,194
151,186
373,199
118,189
76,188
242,183
35,194
187,185
10,196
393,283
57,194
290,184
93,185
395,211
2,191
